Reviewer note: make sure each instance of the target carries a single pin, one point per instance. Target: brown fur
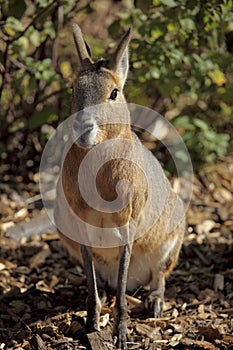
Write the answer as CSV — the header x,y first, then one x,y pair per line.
x,y
155,253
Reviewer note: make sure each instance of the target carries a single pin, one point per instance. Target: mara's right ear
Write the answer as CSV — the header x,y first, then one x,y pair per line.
x,y
83,50
119,63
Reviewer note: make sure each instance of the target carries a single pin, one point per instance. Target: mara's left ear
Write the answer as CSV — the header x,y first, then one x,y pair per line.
x,y
83,50
119,63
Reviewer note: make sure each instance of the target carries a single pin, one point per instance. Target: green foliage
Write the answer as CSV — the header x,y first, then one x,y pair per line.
x,y
201,139
181,64
35,87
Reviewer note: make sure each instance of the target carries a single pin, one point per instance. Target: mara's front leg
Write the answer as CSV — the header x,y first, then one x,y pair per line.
x,y
93,302
120,311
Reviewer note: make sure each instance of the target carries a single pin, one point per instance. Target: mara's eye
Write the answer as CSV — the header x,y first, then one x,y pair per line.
x,y
113,95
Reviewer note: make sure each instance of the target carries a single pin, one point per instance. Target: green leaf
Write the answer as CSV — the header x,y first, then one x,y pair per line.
x,y
13,25
143,5
200,124
187,24
173,27
44,3
156,33
22,45
114,29
49,29
46,115
184,122
155,73
169,3
14,8
34,37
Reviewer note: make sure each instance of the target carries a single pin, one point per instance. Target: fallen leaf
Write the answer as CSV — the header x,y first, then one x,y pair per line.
x,y
20,215
151,332
40,257
218,282
104,320
205,227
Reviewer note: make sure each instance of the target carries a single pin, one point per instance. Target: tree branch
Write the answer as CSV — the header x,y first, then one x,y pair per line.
x,y
33,21
5,68
60,15
27,112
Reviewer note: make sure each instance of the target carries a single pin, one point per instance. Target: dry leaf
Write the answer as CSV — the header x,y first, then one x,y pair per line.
x,y
201,312
43,287
150,332
40,257
205,227
53,282
218,282
2,266
20,215
6,226
175,313
104,320
222,195
134,304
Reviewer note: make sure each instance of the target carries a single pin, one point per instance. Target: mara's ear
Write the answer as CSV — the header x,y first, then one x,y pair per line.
x,y
83,50
119,63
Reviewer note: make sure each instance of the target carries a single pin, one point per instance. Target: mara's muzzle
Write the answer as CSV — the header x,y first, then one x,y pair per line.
x,y
85,129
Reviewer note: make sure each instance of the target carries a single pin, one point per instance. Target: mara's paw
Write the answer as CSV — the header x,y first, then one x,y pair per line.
x,y
154,303
120,335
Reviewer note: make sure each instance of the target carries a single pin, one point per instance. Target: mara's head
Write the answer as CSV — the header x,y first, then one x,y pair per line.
x,y
98,99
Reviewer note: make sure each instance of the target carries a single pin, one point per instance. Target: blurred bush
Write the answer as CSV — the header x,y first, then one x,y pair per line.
x,y
181,66
36,74
182,63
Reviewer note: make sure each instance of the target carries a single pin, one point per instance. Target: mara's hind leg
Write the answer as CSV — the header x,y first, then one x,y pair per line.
x,y
155,298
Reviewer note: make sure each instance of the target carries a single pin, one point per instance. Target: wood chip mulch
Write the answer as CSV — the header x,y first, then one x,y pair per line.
x,y
43,293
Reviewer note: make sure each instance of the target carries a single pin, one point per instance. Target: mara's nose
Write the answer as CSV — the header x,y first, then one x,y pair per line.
x,y
86,131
